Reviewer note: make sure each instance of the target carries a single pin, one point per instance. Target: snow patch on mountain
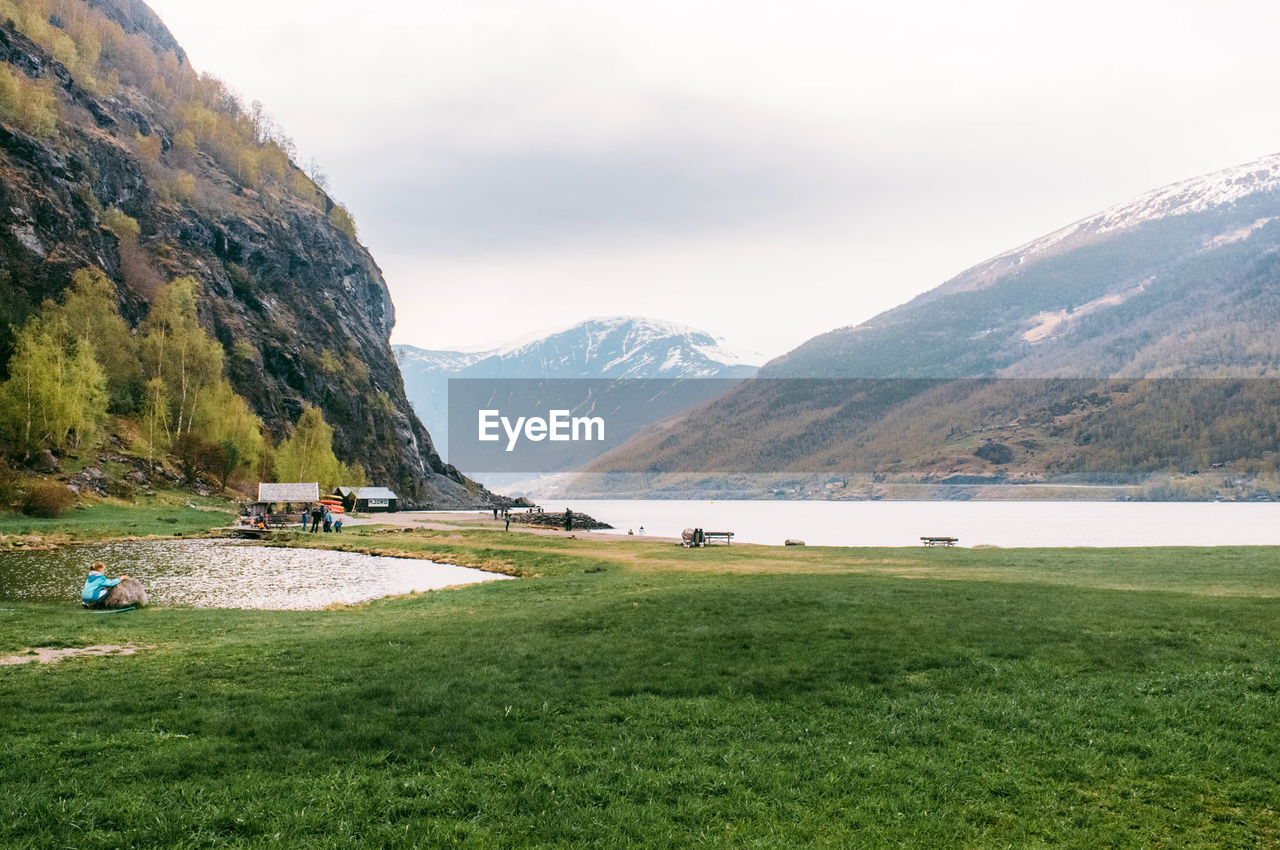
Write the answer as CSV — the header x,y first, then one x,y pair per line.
x,y
444,361
1188,196
1053,323
1195,195
614,346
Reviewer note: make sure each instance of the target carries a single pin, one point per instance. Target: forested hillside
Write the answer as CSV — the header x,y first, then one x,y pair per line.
x,y
238,283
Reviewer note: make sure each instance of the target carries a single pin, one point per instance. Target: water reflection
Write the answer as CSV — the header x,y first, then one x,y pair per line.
x,y
226,574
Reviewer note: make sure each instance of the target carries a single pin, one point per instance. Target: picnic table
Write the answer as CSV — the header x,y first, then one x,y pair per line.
x,y
939,541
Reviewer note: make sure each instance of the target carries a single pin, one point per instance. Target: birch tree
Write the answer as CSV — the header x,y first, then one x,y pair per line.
x,y
176,350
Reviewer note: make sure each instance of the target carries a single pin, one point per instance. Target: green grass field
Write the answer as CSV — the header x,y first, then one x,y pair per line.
x,y
166,513
635,693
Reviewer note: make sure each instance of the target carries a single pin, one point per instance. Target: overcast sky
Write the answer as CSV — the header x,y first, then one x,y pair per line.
x,y
765,171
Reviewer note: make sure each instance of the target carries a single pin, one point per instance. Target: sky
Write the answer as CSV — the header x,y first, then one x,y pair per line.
x,y
763,171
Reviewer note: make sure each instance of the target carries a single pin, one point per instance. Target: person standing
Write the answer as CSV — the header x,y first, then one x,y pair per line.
x,y
568,520
316,516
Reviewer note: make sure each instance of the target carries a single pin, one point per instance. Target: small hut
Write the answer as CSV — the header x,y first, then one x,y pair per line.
x,y
286,499
374,499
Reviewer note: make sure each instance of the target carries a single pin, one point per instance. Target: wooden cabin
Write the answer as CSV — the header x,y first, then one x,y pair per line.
x,y
371,499
285,502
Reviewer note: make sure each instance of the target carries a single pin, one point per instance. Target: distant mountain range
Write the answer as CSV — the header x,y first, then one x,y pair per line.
x,y
1142,339
622,347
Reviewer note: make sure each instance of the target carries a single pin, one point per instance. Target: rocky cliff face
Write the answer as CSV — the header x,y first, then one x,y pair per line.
x,y
300,307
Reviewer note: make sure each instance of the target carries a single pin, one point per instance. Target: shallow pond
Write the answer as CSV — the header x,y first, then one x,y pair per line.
x,y
226,574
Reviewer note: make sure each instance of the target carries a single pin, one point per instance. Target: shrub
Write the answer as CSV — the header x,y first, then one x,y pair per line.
x,y
121,223
121,489
341,218
10,486
47,500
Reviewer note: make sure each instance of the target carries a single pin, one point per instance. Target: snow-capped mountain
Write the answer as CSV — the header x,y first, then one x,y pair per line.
x,y
422,359
613,347
1141,338
1209,192
1135,290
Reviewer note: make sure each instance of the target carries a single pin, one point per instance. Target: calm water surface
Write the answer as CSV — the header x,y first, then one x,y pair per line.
x,y
226,574
994,523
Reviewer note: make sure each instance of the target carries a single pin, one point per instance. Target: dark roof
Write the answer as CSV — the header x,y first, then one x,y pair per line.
x,y
375,493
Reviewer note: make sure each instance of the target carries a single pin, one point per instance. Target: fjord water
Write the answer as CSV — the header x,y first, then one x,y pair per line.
x,y
226,574
975,523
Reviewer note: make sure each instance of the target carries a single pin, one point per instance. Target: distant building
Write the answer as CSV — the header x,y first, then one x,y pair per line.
x,y
371,499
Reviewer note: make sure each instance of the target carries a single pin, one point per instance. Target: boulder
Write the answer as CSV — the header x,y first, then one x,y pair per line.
x,y
128,592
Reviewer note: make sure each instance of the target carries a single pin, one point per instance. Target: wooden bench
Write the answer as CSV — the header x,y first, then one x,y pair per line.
x,y
698,537
939,541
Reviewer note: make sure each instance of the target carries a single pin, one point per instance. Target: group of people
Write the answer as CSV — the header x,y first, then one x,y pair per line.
x,y
322,516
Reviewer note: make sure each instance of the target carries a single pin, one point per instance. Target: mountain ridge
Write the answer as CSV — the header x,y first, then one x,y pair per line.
x,y
615,347
1064,359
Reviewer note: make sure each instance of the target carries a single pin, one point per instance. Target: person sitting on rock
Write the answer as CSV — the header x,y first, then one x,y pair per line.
x,y
97,585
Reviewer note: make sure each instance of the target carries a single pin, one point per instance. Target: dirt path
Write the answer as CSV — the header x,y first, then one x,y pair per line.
x,y
449,520
45,655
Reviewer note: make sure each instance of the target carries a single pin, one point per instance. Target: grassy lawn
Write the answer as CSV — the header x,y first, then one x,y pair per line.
x,y
637,693
166,513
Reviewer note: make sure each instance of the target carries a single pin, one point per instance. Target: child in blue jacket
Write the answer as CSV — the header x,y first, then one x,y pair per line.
x,y
97,585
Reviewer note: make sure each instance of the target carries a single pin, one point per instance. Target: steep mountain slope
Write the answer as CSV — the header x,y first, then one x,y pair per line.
x,y
123,158
1102,297
1026,366
622,347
